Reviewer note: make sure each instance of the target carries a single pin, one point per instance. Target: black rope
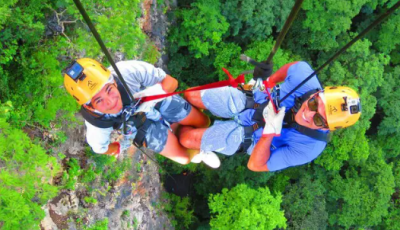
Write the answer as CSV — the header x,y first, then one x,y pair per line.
x,y
285,29
103,47
279,40
362,34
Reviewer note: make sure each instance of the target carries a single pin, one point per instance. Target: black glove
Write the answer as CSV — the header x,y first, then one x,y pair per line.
x,y
263,70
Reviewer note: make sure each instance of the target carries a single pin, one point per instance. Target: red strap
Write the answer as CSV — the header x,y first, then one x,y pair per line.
x,y
271,100
230,82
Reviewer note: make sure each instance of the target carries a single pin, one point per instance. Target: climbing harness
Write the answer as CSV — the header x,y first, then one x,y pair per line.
x,y
288,122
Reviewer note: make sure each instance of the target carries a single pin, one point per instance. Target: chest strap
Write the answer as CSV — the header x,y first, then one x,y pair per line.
x,y
257,118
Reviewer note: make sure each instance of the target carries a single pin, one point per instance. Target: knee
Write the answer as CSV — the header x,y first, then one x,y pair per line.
x,y
185,140
190,96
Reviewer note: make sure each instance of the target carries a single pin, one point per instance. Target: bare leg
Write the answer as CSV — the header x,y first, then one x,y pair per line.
x,y
194,98
196,118
191,137
175,151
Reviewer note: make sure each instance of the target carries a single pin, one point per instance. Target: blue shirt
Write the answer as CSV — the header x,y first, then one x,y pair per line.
x,y
291,148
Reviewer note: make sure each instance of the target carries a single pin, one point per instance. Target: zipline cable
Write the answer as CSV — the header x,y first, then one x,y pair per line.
x,y
288,23
100,41
362,34
285,29
105,51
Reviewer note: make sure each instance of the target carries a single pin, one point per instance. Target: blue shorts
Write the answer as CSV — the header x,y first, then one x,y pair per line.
x,y
173,109
224,136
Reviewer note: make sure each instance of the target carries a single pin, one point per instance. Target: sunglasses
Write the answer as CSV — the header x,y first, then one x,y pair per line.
x,y
318,119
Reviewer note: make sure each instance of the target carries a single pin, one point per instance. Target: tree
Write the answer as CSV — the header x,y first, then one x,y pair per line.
x,y
246,208
228,56
321,22
201,29
255,19
389,101
25,174
304,203
359,196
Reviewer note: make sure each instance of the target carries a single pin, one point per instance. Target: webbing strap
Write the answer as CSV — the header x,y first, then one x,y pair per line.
x,y
234,82
313,133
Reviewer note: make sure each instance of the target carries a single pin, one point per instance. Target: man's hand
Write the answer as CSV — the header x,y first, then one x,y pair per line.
x,y
273,121
263,71
113,149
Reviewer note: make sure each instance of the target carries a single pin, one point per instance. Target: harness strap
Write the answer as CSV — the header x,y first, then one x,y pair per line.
x,y
98,120
141,124
124,94
309,132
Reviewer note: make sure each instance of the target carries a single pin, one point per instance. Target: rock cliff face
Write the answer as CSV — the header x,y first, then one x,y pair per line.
x,y
155,25
133,202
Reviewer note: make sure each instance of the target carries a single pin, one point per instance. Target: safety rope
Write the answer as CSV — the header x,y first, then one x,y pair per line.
x,y
233,82
288,23
103,47
110,59
285,29
362,34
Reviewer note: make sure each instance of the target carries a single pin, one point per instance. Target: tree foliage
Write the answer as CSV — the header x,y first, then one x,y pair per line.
x,y
389,101
354,193
255,19
353,184
305,204
246,208
201,29
25,174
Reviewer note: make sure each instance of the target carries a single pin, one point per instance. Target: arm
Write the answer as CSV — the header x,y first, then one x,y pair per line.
x,y
261,152
281,74
260,155
113,149
169,84
140,74
99,140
